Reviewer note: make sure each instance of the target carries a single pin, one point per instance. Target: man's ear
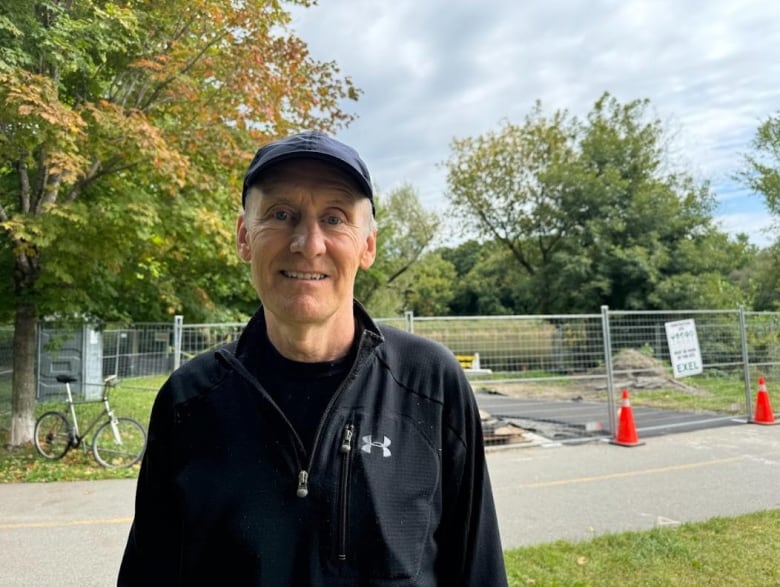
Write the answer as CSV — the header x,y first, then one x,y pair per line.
x,y
242,239
369,253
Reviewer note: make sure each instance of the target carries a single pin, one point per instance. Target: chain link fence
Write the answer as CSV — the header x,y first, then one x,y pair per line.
x,y
556,358
587,360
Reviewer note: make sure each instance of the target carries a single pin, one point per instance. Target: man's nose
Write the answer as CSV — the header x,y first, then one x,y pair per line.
x,y
308,238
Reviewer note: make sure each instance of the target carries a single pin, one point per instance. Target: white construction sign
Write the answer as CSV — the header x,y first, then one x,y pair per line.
x,y
684,348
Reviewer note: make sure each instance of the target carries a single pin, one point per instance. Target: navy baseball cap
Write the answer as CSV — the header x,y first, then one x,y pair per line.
x,y
310,145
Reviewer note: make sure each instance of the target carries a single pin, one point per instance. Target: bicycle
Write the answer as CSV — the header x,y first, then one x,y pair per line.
x,y
117,443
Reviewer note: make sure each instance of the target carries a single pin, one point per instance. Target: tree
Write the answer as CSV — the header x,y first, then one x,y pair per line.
x,y
760,172
489,289
764,279
488,281
405,230
125,130
707,272
508,183
464,256
429,286
587,209
761,169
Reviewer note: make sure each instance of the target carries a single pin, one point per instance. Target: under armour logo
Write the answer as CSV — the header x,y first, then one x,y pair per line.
x,y
368,444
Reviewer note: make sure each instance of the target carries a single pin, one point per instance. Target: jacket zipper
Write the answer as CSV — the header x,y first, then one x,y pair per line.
x,y
303,483
346,466
303,474
302,490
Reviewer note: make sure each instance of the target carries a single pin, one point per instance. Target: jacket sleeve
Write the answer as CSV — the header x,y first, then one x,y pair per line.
x,y
151,555
471,552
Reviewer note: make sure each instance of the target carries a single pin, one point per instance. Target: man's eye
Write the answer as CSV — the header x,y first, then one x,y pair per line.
x,y
281,215
333,220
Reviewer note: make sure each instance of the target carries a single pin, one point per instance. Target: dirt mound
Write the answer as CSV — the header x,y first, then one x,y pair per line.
x,y
631,369
633,361
634,369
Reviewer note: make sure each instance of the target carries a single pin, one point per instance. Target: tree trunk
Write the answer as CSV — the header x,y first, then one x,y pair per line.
x,y
23,395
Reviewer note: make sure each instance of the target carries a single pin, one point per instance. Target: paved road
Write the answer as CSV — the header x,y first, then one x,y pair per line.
x,y
72,534
575,492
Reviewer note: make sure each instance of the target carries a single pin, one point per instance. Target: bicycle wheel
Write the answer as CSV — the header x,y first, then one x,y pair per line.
x,y
52,435
119,444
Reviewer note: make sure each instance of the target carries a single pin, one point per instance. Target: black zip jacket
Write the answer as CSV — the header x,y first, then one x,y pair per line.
x,y
395,490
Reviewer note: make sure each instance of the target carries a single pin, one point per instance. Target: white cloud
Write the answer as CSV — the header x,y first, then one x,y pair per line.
x,y
758,226
433,70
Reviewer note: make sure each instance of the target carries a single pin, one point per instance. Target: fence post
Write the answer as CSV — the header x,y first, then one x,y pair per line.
x,y
38,353
409,317
118,349
745,362
178,326
607,337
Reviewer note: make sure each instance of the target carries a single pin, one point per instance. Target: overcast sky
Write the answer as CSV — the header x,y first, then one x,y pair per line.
x,y
434,70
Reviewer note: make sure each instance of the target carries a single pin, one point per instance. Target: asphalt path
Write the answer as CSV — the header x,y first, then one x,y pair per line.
x,y
575,492
73,533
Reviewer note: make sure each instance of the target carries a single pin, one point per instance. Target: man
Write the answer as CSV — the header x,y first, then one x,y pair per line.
x,y
320,449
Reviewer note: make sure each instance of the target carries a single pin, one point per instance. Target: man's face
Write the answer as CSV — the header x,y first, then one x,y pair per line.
x,y
306,232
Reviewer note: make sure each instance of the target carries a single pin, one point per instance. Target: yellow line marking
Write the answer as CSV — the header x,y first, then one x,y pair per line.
x,y
638,473
65,524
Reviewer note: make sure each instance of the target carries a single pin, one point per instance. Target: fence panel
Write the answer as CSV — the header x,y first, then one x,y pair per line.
x,y
199,338
140,350
763,340
641,363
522,347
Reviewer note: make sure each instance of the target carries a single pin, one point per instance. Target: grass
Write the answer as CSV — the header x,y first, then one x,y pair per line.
x,y
721,551
131,398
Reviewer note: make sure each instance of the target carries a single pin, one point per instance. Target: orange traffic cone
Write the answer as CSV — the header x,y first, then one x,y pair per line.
x,y
763,413
626,433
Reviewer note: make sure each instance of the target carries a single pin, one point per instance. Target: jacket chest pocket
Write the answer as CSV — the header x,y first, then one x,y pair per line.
x,y
388,479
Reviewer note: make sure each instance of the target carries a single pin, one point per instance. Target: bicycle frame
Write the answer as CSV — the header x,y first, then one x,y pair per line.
x,y
107,411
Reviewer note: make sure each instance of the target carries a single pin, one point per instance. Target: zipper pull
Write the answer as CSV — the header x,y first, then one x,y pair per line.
x,y
303,484
346,441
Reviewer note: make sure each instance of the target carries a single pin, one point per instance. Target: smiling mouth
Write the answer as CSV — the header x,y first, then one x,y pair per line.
x,y
304,276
